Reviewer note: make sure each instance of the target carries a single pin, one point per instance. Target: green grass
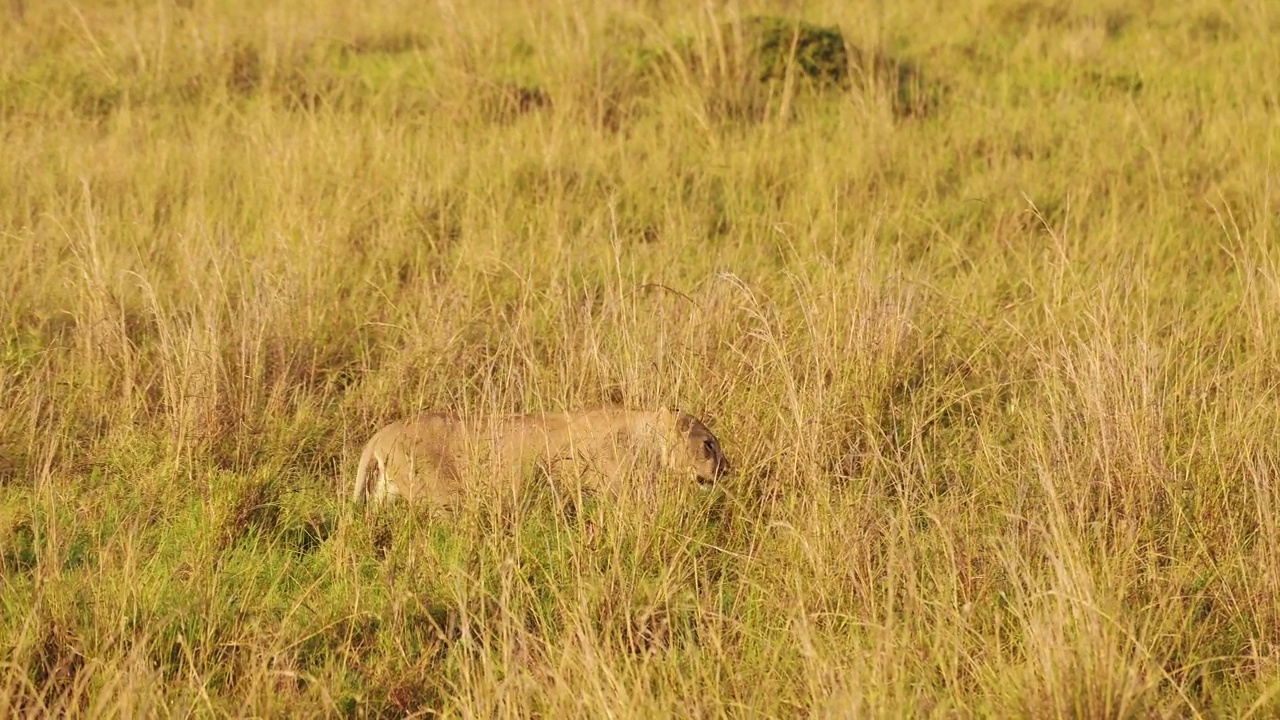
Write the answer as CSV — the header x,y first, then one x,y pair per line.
x,y
987,320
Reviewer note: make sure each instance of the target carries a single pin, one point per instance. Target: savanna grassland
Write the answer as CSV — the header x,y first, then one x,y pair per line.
x,y
982,299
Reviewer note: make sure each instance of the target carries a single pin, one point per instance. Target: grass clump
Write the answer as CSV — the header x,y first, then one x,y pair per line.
x,y
817,53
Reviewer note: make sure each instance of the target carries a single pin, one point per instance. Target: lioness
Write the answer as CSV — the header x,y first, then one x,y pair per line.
x,y
421,459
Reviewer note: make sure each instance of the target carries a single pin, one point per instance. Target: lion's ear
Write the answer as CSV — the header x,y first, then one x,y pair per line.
x,y
663,433
665,424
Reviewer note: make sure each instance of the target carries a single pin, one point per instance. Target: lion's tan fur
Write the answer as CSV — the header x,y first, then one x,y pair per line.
x,y
425,458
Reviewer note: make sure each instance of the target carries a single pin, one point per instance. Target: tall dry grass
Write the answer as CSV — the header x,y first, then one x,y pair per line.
x,y
997,368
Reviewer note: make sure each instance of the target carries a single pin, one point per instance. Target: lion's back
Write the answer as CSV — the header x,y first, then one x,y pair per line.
x,y
427,457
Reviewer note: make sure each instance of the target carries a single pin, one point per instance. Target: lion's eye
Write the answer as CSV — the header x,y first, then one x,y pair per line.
x,y
710,447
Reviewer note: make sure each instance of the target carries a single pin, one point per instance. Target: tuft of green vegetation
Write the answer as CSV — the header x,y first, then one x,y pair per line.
x,y
817,53
979,297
